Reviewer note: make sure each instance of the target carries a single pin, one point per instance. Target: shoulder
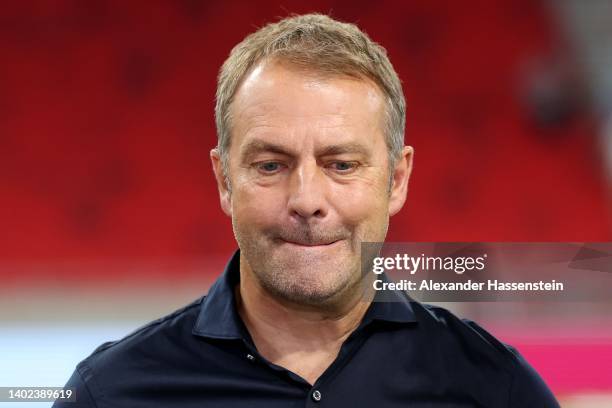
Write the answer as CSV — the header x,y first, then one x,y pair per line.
x,y
160,341
117,367
446,326
173,323
465,342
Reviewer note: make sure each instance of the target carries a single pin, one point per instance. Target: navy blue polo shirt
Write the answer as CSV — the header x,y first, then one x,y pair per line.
x,y
403,354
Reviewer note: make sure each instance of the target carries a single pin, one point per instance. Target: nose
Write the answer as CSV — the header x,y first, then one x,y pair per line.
x,y
307,198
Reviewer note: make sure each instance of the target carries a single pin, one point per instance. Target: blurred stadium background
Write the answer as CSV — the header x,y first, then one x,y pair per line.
x,y
109,212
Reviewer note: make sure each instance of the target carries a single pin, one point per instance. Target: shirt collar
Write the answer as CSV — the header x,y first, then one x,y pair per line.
x,y
390,306
219,318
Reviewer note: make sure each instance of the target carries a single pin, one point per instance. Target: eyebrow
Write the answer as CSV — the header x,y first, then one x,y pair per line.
x,y
257,146
351,147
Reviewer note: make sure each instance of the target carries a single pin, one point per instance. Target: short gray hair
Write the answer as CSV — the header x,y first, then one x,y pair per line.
x,y
320,44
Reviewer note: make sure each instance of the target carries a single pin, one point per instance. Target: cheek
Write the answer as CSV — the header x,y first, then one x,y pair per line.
x,y
253,207
358,205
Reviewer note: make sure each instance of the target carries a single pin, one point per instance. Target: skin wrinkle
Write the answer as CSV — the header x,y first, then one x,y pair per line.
x,y
262,151
261,114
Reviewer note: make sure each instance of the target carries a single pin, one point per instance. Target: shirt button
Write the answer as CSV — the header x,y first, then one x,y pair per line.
x,y
316,395
250,357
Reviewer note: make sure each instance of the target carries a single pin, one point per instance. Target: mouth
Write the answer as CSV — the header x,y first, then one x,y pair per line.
x,y
311,244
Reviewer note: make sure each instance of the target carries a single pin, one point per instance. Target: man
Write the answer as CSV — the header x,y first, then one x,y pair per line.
x,y
310,163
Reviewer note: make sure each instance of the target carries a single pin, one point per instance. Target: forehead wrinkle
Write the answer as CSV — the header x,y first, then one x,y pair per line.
x,y
260,105
277,126
325,143
270,110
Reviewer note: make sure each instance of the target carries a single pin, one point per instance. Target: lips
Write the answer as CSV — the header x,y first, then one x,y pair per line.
x,y
310,244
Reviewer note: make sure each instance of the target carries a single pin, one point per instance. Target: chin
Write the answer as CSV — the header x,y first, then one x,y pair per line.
x,y
313,285
308,297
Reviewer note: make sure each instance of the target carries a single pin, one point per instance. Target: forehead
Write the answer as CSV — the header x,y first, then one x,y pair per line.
x,y
276,96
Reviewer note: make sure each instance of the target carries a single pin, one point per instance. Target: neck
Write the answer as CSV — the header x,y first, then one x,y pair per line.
x,y
301,338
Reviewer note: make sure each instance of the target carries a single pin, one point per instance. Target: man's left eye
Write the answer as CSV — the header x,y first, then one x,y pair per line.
x,y
343,167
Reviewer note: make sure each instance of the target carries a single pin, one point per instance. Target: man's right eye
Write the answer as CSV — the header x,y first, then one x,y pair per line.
x,y
269,167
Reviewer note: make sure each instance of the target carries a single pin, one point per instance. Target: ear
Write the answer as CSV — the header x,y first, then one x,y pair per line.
x,y
401,175
224,192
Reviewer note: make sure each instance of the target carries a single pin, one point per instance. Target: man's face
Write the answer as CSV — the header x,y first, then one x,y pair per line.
x,y
309,180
